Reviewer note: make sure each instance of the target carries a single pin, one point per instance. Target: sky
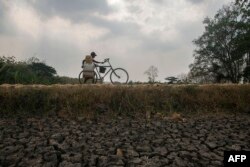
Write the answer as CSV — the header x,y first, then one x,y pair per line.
x,y
134,34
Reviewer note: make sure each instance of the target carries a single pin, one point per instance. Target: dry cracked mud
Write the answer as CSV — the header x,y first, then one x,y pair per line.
x,y
53,141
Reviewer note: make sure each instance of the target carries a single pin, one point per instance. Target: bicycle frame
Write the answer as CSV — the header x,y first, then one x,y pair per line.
x,y
99,77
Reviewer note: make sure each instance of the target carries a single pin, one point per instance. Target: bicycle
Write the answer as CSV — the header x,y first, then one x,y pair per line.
x,y
117,75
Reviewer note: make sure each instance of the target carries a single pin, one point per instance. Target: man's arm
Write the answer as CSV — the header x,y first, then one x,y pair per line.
x,y
96,61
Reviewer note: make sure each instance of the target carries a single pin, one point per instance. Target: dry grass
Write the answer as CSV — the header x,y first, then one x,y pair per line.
x,y
91,100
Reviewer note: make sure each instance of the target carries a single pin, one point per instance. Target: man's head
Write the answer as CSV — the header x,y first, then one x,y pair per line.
x,y
93,54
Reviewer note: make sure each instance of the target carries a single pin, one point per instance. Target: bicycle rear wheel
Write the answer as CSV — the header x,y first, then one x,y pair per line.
x,y
119,76
82,79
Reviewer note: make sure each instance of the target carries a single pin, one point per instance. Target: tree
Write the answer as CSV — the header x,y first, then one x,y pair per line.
x,y
172,80
13,72
184,78
42,70
152,73
244,40
6,60
44,74
30,72
218,56
33,60
246,74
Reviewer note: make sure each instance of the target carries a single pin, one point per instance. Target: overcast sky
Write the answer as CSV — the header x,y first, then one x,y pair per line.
x,y
134,34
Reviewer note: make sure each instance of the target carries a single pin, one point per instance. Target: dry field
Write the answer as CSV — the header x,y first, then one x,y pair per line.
x,y
106,125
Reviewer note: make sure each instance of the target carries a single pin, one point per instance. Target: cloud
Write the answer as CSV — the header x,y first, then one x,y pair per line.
x,y
4,28
1,9
76,10
134,35
196,1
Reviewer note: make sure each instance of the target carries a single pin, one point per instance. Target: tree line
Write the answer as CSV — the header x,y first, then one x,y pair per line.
x,y
32,71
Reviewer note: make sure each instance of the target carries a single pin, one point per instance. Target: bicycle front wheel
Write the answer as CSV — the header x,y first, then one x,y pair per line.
x,y
119,76
82,80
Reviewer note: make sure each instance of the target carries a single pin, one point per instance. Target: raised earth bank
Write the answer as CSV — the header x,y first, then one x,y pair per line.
x,y
122,100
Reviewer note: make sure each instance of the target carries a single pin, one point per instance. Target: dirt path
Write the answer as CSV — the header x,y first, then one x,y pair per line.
x,y
57,142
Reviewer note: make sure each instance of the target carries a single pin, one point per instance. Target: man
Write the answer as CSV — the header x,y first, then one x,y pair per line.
x,y
88,64
93,55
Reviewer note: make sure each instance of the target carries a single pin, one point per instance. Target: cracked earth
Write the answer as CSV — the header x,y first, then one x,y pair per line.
x,y
54,141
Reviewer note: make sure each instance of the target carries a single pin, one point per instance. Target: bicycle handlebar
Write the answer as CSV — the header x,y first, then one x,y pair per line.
x,y
107,59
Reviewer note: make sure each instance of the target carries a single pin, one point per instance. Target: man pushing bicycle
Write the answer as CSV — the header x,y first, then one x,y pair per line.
x,y
117,75
88,65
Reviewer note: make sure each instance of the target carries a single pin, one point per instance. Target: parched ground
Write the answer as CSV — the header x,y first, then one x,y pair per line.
x,y
54,141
